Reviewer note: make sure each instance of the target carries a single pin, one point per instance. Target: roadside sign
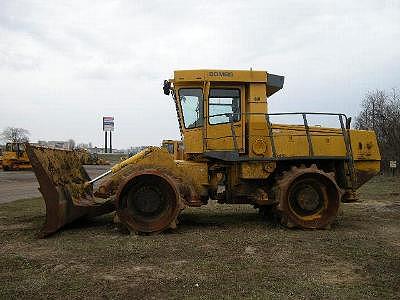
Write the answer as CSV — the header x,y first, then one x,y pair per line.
x,y
108,123
393,164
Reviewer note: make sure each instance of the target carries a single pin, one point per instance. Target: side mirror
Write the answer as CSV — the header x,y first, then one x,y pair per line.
x,y
167,87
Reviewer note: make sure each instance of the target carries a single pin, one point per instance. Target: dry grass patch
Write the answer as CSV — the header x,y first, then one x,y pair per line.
x,y
219,251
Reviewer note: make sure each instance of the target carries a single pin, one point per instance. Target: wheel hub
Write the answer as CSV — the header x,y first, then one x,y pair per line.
x,y
147,201
308,199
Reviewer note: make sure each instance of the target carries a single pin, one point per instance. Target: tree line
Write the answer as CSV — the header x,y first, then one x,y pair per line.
x,y
380,111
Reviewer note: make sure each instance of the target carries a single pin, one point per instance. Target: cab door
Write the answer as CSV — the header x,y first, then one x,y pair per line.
x,y
191,110
225,118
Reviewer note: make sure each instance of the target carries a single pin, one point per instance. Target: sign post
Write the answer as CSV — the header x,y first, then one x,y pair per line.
x,y
108,126
105,141
110,141
393,166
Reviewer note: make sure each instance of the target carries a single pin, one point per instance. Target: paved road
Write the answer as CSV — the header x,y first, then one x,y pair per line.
x,y
15,185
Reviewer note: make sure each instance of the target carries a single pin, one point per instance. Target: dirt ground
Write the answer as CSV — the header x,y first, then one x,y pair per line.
x,y
16,185
218,251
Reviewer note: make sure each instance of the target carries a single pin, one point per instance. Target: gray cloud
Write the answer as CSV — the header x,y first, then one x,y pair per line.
x,y
67,63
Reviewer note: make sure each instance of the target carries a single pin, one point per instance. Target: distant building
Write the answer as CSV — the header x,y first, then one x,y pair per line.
x,y
56,144
134,150
101,150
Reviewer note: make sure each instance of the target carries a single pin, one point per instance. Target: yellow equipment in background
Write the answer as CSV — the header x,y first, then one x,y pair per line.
x,y
234,152
15,158
175,148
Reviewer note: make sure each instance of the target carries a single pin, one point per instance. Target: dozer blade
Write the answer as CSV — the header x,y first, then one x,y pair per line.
x,y
64,185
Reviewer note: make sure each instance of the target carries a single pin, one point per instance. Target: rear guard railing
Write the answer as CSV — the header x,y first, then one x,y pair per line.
x,y
344,124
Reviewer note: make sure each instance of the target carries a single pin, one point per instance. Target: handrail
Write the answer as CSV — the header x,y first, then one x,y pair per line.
x,y
310,146
279,114
349,151
342,121
235,144
271,135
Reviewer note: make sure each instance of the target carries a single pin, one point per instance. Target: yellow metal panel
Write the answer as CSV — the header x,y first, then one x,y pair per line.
x,y
257,144
364,145
188,75
219,137
256,123
328,144
220,75
195,170
193,140
256,170
289,142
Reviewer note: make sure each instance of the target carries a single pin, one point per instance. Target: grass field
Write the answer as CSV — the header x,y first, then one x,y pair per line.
x,y
218,251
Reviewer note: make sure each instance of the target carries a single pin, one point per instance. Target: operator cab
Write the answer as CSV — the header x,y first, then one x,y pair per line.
x,y
213,107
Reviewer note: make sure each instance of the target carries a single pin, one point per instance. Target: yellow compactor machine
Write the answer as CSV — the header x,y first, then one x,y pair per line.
x,y
234,152
15,158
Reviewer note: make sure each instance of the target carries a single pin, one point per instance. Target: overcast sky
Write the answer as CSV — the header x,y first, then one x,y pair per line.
x,y
65,64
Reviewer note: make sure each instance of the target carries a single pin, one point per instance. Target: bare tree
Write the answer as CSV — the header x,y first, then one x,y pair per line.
x,y
15,135
380,111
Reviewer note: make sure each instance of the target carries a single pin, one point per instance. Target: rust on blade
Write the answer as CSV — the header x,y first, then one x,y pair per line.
x,y
62,179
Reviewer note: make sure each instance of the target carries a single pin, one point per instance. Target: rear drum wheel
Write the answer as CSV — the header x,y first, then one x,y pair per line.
x,y
308,198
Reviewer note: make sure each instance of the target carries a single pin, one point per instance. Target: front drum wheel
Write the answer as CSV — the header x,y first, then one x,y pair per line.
x,y
149,204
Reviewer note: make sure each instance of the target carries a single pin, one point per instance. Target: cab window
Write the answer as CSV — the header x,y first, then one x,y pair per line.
x,y
169,147
191,100
223,104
